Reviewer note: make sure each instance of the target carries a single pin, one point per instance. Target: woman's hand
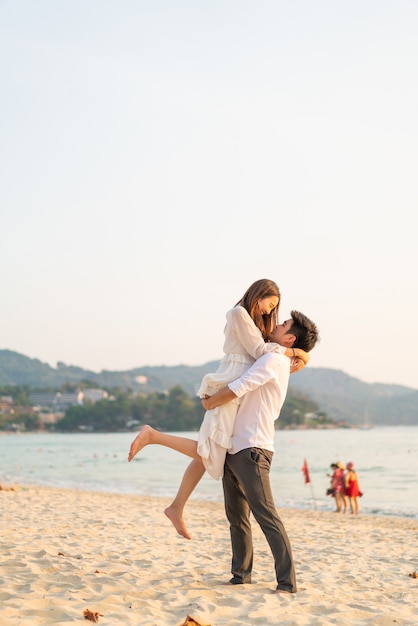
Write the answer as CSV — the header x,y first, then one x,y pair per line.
x,y
301,354
298,359
296,365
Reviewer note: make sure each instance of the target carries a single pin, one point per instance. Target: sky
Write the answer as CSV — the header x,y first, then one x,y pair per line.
x,y
158,157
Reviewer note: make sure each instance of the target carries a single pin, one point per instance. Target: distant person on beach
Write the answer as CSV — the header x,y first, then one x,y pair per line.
x,y
248,328
331,491
352,488
338,487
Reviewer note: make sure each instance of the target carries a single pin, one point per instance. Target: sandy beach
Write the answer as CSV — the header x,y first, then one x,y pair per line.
x,y
66,551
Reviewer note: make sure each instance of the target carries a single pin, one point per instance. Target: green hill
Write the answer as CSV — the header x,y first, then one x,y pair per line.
x,y
340,396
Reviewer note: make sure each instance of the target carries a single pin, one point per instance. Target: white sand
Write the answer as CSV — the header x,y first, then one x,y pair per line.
x,y
120,557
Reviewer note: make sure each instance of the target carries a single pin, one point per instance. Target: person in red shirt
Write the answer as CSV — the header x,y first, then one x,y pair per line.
x,y
352,489
338,487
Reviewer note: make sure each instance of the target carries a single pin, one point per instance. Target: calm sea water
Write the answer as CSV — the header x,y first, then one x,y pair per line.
x,y
386,460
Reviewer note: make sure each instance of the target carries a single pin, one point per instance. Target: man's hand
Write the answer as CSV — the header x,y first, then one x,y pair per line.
x,y
205,403
223,396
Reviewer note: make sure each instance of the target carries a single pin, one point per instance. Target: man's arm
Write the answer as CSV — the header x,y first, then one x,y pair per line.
x,y
223,396
263,370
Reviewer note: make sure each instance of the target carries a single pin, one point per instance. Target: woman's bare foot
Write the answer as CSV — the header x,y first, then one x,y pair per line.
x,y
143,438
177,521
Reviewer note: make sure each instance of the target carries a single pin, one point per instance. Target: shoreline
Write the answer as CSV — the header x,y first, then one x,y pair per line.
x,y
11,486
66,550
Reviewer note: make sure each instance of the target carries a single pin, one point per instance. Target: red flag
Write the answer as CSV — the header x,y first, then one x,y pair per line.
x,y
305,471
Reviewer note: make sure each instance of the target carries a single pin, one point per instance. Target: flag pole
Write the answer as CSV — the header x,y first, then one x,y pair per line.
x,y
313,497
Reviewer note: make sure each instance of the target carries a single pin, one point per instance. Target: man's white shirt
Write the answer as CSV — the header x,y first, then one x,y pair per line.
x,y
262,389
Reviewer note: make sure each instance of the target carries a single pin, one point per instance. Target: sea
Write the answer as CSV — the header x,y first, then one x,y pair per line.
x,y
386,460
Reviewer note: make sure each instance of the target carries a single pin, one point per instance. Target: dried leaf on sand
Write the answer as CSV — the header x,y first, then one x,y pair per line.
x,y
93,617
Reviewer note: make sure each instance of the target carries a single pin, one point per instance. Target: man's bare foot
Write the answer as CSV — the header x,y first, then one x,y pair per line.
x,y
177,521
143,438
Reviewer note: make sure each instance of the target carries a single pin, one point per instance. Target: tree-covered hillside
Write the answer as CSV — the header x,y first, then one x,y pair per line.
x,y
339,396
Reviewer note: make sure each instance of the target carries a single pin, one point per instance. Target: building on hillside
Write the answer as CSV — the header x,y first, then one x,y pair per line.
x,y
49,419
59,401
55,401
42,400
94,395
6,404
65,400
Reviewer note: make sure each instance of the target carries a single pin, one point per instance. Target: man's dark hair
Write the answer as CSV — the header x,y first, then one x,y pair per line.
x,y
305,331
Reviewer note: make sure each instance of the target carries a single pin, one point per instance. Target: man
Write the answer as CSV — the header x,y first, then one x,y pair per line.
x,y
246,480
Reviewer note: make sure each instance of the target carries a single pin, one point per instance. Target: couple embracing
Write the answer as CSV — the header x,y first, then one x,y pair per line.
x,y
236,439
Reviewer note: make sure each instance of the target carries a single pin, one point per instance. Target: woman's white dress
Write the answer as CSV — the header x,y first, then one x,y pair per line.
x,y
242,346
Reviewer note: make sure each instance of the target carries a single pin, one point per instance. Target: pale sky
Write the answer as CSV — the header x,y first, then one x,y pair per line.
x,y
158,157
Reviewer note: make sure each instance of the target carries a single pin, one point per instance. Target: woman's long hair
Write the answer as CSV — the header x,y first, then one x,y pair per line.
x,y
263,288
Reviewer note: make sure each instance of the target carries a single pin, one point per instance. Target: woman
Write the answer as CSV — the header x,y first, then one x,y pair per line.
x,y
249,324
352,488
338,485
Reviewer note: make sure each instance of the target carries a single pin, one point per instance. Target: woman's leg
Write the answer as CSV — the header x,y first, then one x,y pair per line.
x,y
193,474
338,502
148,435
191,478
